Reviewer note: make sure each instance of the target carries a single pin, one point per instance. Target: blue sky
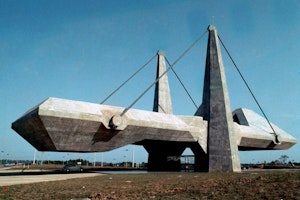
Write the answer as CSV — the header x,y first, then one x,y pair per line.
x,y
83,50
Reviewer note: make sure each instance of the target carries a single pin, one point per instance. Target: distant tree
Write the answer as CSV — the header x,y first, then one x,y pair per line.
x,y
283,159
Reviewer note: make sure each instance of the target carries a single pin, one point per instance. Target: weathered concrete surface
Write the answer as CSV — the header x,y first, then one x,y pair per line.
x,y
162,96
254,132
222,146
66,125
158,150
75,126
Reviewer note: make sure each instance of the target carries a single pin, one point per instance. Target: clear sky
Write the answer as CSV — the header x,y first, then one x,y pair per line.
x,y
83,50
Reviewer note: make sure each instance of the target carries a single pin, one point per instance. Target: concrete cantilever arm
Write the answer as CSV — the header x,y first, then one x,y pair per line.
x,y
65,125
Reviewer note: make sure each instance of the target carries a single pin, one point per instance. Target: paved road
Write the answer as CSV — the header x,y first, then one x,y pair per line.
x,y
14,177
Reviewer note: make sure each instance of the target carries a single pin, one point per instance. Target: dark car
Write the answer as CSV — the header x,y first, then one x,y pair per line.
x,y
72,167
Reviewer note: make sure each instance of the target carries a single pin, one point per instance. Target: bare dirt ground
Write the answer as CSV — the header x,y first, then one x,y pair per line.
x,y
274,184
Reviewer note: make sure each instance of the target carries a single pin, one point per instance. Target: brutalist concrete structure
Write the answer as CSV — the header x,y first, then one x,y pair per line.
x,y
214,133
163,155
222,149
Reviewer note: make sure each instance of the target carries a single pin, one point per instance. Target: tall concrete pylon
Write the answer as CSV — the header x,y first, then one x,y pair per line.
x,y
160,152
222,144
162,96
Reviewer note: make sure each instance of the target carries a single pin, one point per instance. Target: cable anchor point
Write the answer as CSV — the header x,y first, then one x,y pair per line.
x,y
116,121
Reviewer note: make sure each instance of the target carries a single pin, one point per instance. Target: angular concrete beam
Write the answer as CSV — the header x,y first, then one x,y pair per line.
x,y
65,125
255,133
74,126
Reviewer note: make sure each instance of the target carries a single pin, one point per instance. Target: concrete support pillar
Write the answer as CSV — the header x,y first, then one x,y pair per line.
x,y
162,97
222,146
164,155
222,150
201,158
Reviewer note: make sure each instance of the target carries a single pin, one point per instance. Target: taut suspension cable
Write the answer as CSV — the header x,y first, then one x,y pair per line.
x,y
187,92
129,78
248,87
170,67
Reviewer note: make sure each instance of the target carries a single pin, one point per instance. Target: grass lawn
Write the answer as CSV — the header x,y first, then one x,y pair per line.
x,y
275,184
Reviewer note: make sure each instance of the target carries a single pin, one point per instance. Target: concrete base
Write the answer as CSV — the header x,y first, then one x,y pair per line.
x,y
164,155
201,158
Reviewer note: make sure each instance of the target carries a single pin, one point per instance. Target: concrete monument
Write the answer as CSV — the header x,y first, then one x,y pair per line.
x,y
214,133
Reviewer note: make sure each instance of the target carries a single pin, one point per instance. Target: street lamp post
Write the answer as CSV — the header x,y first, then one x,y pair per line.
x,y
125,161
94,159
6,160
34,156
125,157
132,156
2,157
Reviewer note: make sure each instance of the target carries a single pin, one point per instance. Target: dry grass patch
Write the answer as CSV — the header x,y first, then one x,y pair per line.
x,y
258,185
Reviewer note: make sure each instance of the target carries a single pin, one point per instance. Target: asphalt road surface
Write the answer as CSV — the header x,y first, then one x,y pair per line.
x,y
14,177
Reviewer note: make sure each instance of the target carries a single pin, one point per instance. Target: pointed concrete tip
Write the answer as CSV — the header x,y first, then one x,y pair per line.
x,y
211,28
161,53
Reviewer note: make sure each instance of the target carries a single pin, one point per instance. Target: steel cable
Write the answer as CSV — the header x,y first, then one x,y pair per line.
x,y
129,78
252,94
171,66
